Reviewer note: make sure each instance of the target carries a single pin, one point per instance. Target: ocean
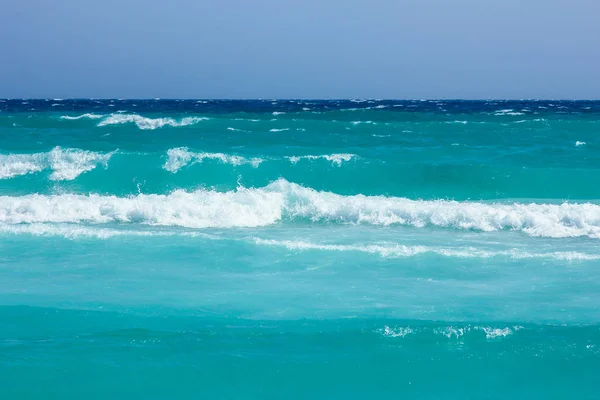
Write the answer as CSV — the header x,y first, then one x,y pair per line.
x,y
296,249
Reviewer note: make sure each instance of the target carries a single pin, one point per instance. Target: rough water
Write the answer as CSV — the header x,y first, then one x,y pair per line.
x,y
299,249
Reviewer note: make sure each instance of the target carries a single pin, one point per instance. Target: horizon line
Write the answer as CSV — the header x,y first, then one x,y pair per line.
x,y
286,99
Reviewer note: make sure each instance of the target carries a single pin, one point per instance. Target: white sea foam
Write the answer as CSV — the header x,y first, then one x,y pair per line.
x,y
394,332
83,116
336,159
74,231
454,332
66,164
578,143
282,200
399,250
508,112
149,123
278,112
279,130
494,333
551,220
199,209
180,157
12,165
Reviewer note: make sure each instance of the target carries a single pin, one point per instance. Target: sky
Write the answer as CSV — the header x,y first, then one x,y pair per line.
x,y
392,49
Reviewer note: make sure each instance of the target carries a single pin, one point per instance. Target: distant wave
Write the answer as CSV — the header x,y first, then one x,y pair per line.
x,y
66,164
149,123
508,112
144,123
181,157
84,116
283,201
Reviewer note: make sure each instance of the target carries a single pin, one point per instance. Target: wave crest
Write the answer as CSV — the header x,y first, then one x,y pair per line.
x,y
145,123
66,164
285,201
336,159
180,157
84,116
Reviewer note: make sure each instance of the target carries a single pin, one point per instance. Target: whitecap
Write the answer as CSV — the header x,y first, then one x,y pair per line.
x,y
508,111
336,159
285,201
180,157
83,116
494,333
66,164
149,123
395,332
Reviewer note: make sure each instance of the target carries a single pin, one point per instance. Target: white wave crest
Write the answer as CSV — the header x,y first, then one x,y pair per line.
x,y
508,111
550,220
84,116
149,123
282,200
66,164
180,157
578,143
336,159
199,209
12,165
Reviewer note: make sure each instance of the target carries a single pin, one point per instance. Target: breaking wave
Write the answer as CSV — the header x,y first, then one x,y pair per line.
x,y
66,164
141,122
283,201
180,157
149,123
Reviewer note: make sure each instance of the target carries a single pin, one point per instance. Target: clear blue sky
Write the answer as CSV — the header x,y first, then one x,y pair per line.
x,y
300,49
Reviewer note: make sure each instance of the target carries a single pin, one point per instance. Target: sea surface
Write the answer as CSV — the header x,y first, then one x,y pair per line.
x,y
269,249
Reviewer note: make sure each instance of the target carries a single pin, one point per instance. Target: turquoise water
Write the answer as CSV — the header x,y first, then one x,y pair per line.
x,y
299,249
